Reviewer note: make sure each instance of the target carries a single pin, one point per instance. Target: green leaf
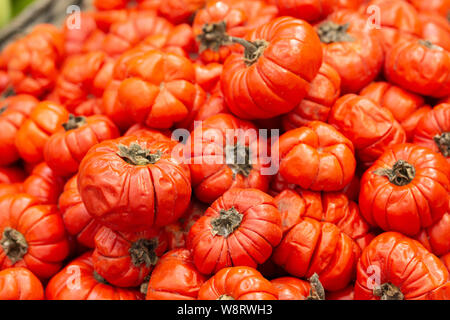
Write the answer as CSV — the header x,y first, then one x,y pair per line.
x,y
5,12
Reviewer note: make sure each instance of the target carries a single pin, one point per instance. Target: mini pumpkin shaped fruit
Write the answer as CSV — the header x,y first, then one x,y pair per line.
x,y
398,20
333,207
14,111
33,61
124,259
407,183
419,66
45,119
158,89
230,156
272,74
20,284
402,269
435,29
356,54
87,285
324,90
241,228
433,130
33,235
65,149
127,33
312,247
44,184
290,288
402,104
175,277
132,183
237,283
77,220
370,127
82,76
316,157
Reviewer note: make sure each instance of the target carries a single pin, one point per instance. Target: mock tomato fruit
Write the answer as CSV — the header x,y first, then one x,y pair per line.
x,y
132,183
241,228
407,183
405,271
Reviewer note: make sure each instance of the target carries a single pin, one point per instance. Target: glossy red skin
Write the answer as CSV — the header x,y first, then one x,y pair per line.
x,y
20,284
370,127
110,4
323,93
75,38
325,250
411,123
398,20
239,283
175,277
12,174
316,157
33,61
208,76
435,238
64,150
44,184
211,176
250,244
434,6
77,220
357,62
43,229
10,188
419,69
113,261
124,35
83,75
179,11
89,288
290,288
422,202
351,190
45,119
314,10
435,122
157,89
436,29
180,40
89,107
18,109
333,207
213,105
284,72
401,103
446,260
159,196
142,130
347,293
405,263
